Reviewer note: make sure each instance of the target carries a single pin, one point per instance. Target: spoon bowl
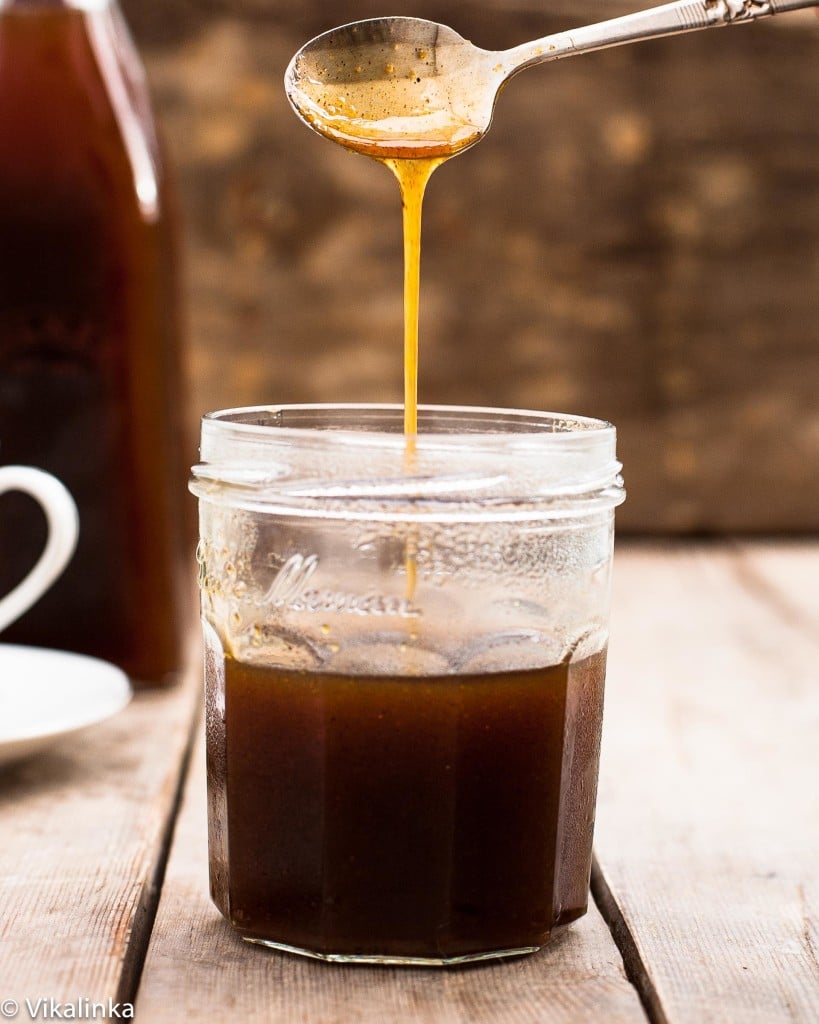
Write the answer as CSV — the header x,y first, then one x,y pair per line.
x,y
409,88
394,87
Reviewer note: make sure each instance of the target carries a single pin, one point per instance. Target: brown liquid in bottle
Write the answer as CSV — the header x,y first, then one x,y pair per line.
x,y
430,817
89,375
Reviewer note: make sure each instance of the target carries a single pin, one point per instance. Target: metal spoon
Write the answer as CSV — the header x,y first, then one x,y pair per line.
x,y
406,87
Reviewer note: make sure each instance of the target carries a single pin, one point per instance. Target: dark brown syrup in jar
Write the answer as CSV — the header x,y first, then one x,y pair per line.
x,y
431,817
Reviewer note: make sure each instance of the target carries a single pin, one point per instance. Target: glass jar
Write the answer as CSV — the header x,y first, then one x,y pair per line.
x,y
405,655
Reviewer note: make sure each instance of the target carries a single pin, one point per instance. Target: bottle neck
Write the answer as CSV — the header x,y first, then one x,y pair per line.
x,y
55,5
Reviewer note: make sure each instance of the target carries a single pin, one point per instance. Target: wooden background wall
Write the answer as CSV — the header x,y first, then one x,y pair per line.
x,y
637,238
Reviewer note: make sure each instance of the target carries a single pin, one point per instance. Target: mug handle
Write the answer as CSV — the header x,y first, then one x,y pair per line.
x,y
63,529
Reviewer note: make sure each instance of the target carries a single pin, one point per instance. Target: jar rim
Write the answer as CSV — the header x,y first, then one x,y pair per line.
x,y
354,457
294,420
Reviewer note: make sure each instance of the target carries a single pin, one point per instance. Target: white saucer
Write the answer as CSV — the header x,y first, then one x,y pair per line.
x,y
46,695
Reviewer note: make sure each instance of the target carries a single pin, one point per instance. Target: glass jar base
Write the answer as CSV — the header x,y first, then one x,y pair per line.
x,y
401,961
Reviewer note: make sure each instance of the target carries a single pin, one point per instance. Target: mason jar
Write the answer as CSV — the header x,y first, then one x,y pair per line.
x,y
405,645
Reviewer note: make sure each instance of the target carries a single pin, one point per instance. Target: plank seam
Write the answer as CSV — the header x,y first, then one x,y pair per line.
x,y
633,963
136,951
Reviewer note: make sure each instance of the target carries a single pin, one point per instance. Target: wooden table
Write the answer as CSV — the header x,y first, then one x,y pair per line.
x,y
706,887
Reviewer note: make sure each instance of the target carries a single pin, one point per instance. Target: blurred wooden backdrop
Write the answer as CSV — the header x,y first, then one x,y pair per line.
x,y
637,239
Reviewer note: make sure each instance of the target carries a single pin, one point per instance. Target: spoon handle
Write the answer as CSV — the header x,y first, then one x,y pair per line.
x,y
668,20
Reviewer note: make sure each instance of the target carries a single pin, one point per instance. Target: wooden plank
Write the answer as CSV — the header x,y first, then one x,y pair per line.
x,y
785,573
85,829
708,821
198,969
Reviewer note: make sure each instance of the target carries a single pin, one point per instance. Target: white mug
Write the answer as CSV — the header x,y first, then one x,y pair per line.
x,y
63,529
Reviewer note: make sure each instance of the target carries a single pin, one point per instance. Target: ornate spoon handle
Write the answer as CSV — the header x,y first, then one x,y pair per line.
x,y
668,20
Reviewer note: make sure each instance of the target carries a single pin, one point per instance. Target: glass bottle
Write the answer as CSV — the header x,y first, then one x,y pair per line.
x,y
89,357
